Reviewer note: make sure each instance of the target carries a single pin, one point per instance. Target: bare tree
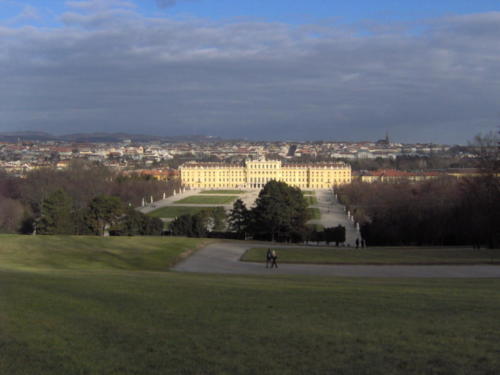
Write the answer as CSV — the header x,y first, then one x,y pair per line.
x,y
486,148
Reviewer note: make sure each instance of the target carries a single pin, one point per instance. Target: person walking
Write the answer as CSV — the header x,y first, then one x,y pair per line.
x,y
269,257
274,257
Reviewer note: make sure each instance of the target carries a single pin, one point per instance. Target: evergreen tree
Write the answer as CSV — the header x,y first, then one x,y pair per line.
x,y
239,217
56,214
135,223
219,217
190,225
103,212
280,213
182,226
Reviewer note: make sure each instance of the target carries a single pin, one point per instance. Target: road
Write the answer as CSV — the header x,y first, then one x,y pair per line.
x,y
224,258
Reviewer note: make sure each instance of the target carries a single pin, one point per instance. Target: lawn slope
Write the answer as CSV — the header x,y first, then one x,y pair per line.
x,y
93,253
120,316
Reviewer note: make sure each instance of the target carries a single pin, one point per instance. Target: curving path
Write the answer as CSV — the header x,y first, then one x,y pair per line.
x,y
225,258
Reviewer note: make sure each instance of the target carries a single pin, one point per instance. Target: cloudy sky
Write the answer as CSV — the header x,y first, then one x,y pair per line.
x,y
259,69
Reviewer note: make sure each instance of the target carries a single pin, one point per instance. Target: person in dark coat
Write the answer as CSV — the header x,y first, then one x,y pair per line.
x,y
269,257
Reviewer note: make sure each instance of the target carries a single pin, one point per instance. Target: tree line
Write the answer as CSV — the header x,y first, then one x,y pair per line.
x,y
446,211
77,201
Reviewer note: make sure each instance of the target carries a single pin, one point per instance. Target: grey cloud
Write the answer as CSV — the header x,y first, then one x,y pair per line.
x,y
121,71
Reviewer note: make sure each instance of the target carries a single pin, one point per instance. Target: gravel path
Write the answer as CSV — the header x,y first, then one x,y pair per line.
x,y
333,214
224,258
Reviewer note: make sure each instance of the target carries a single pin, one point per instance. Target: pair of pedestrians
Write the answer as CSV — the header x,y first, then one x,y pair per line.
x,y
271,258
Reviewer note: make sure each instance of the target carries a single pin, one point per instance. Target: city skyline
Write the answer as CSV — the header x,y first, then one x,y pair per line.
x,y
259,70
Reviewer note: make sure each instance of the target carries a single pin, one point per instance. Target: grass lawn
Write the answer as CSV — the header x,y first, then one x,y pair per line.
x,y
222,192
207,199
115,320
311,200
314,213
92,253
176,211
308,192
334,255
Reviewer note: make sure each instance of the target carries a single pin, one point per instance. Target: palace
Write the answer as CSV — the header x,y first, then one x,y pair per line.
x,y
254,174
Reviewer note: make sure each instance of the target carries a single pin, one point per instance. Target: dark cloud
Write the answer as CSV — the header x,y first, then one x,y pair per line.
x,y
112,69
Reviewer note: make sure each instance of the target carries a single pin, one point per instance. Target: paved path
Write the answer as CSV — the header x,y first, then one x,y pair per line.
x,y
224,258
333,214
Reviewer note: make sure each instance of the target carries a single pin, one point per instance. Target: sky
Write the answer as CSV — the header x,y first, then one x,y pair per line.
x,y
424,71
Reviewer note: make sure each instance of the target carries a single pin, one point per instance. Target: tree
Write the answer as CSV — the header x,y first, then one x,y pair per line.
x,y
486,148
239,217
182,226
189,225
219,219
56,215
103,212
11,215
135,223
280,213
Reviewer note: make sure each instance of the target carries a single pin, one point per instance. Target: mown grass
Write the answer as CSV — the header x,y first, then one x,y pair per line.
x,y
92,253
222,192
176,211
308,192
112,320
311,200
168,323
314,213
416,256
207,199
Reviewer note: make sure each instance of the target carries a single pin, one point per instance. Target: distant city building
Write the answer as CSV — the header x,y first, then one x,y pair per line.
x,y
254,174
392,175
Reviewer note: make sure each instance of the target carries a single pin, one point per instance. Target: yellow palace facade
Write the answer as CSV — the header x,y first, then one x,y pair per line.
x,y
254,174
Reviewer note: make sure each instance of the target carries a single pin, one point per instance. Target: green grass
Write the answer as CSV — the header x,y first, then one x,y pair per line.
x,y
92,253
176,211
334,255
314,213
311,200
222,192
118,321
207,199
308,192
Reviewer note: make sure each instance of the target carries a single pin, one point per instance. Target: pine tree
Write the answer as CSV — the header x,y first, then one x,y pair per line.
x,y
239,216
56,214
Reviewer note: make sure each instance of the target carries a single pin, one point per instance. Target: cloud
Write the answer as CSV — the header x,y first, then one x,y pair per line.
x,y
168,3
165,3
28,13
99,5
112,69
